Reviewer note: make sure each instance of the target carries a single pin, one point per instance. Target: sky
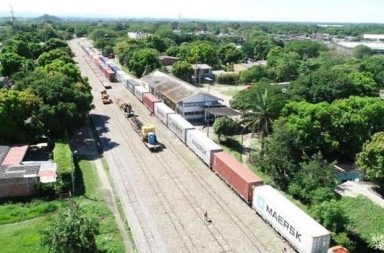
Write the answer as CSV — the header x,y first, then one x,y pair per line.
x,y
356,11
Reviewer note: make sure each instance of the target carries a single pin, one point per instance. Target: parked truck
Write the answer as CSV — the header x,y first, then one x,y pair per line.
x,y
105,97
147,134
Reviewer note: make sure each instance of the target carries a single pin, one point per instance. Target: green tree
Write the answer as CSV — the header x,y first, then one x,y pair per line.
x,y
144,61
283,66
375,66
55,43
107,51
202,52
328,84
62,54
155,42
371,159
253,74
362,52
229,54
68,69
259,118
315,179
173,51
71,231
10,63
66,104
258,48
18,110
103,36
225,126
330,215
305,48
277,159
183,70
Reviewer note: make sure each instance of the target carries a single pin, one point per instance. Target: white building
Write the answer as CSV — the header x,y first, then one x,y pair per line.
x,y
181,96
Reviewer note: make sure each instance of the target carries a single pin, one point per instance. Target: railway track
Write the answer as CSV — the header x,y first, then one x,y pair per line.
x,y
168,170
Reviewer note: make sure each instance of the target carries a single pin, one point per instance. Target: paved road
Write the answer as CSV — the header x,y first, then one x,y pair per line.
x,y
164,195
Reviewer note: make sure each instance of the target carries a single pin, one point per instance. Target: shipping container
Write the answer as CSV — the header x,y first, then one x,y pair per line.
x,y
124,80
202,145
119,75
109,74
236,175
297,227
131,84
162,111
179,126
139,91
149,100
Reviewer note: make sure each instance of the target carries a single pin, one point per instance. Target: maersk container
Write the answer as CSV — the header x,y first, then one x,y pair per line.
x,y
202,145
149,100
162,111
241,179
139,91
179,126
297,227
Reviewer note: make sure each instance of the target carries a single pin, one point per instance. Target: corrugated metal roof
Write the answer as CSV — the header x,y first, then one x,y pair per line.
x,y
15,154
222,111
170,86
201,66
19,171
3,152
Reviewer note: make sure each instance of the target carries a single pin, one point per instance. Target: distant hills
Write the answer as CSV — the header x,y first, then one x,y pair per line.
x,y
48,18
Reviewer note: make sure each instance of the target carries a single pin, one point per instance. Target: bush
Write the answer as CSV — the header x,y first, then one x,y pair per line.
x,y
229,78
62,155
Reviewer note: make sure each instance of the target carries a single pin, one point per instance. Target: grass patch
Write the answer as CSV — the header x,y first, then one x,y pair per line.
x,y
232,146
230,92
10,213
62,155
23,237
109,239
366,219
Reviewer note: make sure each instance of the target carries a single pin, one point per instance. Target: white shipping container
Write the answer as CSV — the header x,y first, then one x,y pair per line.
x,y
202,145
179,126
124,80
162,111
131,84
139,91
119,75
297,227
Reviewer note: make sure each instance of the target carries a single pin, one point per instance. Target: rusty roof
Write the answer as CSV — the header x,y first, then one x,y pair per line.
x,y
15,154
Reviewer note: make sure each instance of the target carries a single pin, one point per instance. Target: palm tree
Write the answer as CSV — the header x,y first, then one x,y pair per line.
x,y
259,118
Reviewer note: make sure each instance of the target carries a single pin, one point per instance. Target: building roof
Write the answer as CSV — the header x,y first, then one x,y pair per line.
x,y
222,111
373,36
201,66
378,46
15,154
19,171
169,86
3,152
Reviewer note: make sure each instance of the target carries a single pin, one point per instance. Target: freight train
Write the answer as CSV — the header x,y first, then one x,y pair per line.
x,y
297,227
